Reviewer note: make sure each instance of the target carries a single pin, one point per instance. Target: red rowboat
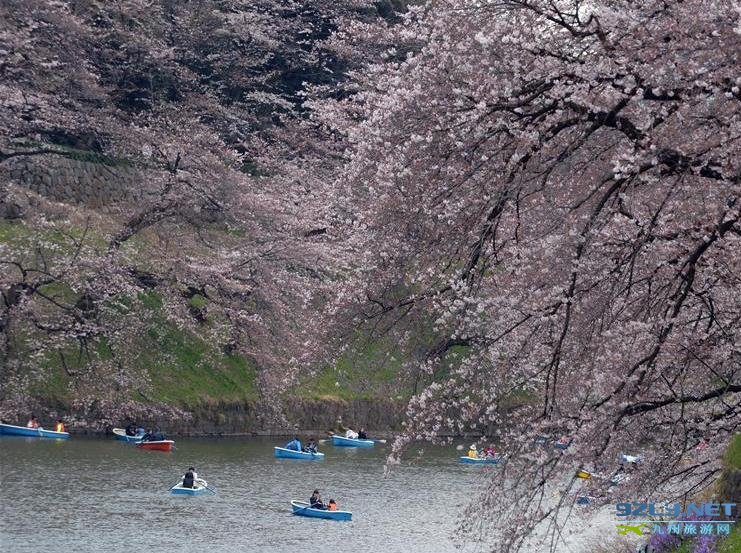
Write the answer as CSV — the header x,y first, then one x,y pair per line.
x,y
160,445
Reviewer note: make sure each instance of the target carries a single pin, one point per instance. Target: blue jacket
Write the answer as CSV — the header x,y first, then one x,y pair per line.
x,y
295,445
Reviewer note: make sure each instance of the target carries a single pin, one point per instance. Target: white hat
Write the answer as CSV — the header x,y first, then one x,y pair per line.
x,y
473,446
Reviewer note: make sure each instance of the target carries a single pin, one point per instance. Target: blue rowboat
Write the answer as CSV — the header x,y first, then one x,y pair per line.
x,y
12,430
199,488
283,453
341,441
121,434
302,508
479,461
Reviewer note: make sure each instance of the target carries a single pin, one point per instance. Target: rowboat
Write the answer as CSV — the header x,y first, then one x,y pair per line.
x,y
121,434
302,508
284,453
159,445
200,487
479,460
12,430
341,441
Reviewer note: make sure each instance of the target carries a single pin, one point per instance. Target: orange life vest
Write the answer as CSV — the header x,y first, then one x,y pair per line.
x,y
60,427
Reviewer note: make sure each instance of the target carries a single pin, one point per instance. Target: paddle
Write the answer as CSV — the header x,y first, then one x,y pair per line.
x,y
209,488
309,507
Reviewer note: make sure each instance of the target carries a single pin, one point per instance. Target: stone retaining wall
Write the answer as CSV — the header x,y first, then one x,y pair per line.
x,y
73,181
302,415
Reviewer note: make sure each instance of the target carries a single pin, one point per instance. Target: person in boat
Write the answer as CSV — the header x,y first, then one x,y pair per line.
x,y
156,436
294,444
59,426
190,478
315,501
332,505
473,453
489,451
153,436
32,422
362,435
350,433
131,429
311,446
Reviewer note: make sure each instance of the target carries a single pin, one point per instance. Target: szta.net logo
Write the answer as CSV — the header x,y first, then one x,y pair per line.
x,y
694,519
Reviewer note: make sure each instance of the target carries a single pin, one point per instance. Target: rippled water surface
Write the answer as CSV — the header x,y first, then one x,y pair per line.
x,y
102,495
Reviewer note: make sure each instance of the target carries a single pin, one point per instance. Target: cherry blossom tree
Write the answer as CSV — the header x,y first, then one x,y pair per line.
x,y
186,93
556,184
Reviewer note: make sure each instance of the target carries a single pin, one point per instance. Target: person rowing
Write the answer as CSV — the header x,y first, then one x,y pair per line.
x,y
294,444
190,478
311,446
362,435
315,501
156,436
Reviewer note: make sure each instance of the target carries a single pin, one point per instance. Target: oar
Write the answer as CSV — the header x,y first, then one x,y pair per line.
x,y
308,507
380,441
209,488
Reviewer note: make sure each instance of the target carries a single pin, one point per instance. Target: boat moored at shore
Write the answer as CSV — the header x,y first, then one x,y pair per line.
x,y
13,430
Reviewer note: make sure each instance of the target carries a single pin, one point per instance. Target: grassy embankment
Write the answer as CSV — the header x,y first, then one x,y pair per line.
x,y
186,369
